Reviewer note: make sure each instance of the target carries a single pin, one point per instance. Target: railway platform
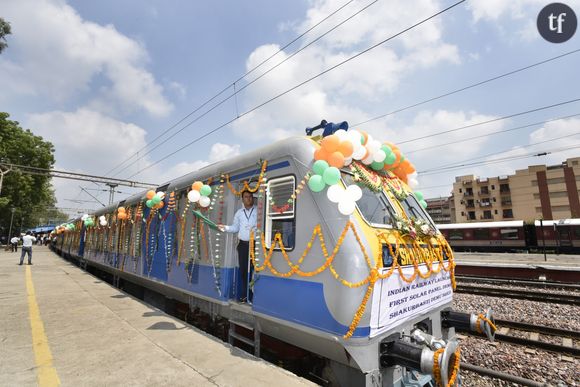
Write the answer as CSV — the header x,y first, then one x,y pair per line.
x,y
552,267
61,325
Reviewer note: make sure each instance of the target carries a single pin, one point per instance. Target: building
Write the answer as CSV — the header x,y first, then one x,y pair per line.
x,y
538,192
441,210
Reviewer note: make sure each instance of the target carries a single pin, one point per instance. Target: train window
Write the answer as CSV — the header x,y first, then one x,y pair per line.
x,y
280,212
455,234
374,206
577,232
414,210
509,233
481,233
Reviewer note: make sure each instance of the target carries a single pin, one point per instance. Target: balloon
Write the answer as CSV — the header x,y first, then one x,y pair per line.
x,y
335,193
193,196
320,154
150,194
160,194
423,203
346,148
204,201
197,185
205,190
346,206
316,183
354,136
364,137
368,159
377,166
155,200
102,217
387,149
84,217
149,203
419,195
159,205
359,153
121,209
347,161
379,156
320,166
330,143
413,182
390,159
103,222
341,134
331,176
354,192
336,159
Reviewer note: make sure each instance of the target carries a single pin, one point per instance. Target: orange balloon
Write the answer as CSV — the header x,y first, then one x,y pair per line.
x,y
121,209
391,145
150,194
397,153
331,143
320,154
197,185
346,148
336,159
160,205
365,137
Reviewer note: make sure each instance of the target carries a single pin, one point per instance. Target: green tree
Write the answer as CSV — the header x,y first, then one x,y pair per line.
x,y
30,195
4,30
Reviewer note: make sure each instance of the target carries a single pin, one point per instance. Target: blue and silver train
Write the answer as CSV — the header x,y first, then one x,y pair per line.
x,y
367,290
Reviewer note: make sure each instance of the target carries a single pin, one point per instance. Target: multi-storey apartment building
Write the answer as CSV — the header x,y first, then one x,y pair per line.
x,y
441,210
538,192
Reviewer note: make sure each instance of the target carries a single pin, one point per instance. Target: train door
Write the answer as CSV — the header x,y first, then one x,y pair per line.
x,y
564,235
530,235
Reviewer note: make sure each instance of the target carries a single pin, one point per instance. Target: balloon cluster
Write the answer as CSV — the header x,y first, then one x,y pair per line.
x,y
325,175
121,214
88,221
199,194
155,199
103,220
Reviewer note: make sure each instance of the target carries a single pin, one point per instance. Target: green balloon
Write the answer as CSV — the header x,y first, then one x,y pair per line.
x,y
390,159
387,149
155,200
319,167
331,176
402,158
423,203
377,166
205,190
149,203
316,183
419,195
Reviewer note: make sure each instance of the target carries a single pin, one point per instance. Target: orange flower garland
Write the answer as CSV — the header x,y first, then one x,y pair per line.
x,y
246,185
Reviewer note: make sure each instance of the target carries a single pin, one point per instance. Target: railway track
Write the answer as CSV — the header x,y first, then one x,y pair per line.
x,y
525,294
567,337
518,282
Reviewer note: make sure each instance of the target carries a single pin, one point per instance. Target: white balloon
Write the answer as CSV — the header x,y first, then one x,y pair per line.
x,y
359,152
161,194
335,193
102,217
354,136
84,217
413,183
368,160
347,161
341,133
193,196
354,192
204,201
374,146
346,206
103,222
379,156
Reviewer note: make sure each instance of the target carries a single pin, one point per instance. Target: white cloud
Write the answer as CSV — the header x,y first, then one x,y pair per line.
x,y
346,91
56,54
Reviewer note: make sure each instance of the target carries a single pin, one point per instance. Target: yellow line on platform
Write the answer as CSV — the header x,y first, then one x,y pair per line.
x,y
46,373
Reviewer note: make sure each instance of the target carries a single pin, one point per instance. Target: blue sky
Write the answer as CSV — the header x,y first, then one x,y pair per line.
x,y
102,79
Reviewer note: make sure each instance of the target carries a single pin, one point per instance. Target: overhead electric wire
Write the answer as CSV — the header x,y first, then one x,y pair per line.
x,y
468,87
233,83
246,86
489,134
301,84
488,121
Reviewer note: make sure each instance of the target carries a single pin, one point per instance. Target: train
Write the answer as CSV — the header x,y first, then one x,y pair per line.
x,y
554,236
347,264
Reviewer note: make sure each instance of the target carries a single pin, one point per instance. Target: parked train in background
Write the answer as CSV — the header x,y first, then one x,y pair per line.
x,y
558,236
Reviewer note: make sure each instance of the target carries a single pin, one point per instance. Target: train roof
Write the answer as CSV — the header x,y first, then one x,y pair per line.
x,y
510,223
559,222
300,148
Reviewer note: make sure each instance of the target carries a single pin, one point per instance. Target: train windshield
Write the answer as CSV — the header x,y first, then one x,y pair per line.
x,y
413,209
374,206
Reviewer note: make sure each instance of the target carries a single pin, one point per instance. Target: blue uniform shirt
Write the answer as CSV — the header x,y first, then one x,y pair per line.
x,y
244,221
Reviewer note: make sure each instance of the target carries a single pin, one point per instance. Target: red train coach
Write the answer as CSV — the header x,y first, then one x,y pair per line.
x,y
562,236
508,236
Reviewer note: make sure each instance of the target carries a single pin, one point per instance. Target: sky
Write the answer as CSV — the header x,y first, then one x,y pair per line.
x,y
120,86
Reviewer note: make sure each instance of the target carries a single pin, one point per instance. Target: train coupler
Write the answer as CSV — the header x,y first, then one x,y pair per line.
x,y
483,325
442,363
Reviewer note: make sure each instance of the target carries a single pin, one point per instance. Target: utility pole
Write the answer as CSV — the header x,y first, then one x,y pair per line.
x,y
543,239
112,187
11,220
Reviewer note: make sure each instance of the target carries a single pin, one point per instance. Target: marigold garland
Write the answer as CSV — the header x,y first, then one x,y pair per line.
x,y
437,368
246,186
480,318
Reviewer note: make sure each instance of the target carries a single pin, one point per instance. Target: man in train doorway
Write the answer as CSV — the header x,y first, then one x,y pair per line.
x,y
244,221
